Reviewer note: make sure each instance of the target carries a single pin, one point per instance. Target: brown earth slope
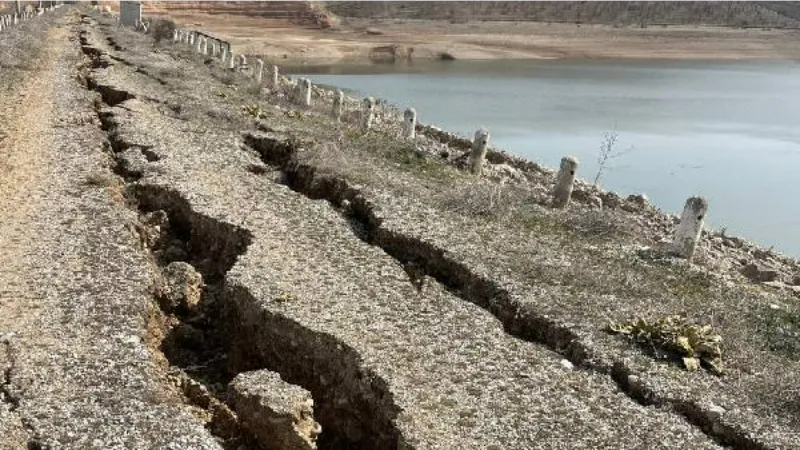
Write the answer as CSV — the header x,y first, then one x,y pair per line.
x,y
736,14
622,13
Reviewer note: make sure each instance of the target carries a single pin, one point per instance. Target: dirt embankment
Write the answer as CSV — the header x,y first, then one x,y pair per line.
x,y
368,40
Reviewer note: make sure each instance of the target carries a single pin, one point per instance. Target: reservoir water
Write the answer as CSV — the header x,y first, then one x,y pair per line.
x,y
728,131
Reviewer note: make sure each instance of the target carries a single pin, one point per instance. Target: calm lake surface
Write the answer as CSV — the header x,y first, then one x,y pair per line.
x,y
728,131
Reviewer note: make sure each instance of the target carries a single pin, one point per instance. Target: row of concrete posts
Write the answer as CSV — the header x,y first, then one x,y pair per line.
x,y
9,20
686,236
691,223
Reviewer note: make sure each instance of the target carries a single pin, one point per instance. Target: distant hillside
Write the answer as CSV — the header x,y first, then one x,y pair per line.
x,y
715,13
737,14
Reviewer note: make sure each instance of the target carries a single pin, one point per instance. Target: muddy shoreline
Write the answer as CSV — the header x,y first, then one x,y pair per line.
x,y
360,40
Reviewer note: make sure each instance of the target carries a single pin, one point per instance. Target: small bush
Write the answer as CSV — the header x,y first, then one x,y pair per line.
x,y
162,29
254,111
695,344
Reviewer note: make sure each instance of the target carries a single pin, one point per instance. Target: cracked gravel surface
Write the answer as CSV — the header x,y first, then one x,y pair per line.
x,y
388,365
450,376
74,294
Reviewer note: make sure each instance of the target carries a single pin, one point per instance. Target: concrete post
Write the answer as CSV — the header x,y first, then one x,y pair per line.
x,y
368,114
410,123
206,48
242,62
478,153
275,81
175,35
198,47
224,56
564,182
259,70
691,227
232,62
305,100
338,105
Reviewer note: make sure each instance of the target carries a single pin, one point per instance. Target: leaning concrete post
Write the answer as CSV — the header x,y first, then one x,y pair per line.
x,y
224,56
338,105
409,123
479,147
691,227
259,70
368,114
305,100
565,181
275,81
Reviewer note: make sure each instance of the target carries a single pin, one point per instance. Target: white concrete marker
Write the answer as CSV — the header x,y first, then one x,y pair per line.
x,y
691,227
368,114
275,80
305,100
232,62
338,105
410,123
479,147
259,70
565,181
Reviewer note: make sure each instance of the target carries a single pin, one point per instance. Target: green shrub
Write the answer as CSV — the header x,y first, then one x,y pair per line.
x,y
162,29
695,344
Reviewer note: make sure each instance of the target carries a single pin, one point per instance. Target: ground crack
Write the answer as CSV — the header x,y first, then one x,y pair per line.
x,y
8,396
420,258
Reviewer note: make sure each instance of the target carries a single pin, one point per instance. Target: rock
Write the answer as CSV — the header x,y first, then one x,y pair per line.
x,y
636,202
595,201
502,172
566,364
278,414
762,255
182,287
714,412
760,273
733,242
611,200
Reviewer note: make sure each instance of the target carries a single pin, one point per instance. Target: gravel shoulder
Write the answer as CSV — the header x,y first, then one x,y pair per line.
x,y
75,283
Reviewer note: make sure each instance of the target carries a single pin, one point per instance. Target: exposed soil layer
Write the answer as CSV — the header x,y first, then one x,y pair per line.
x,y
398,41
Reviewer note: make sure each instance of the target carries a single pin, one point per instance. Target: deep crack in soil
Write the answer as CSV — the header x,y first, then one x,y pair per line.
x,y
201,341
422,259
